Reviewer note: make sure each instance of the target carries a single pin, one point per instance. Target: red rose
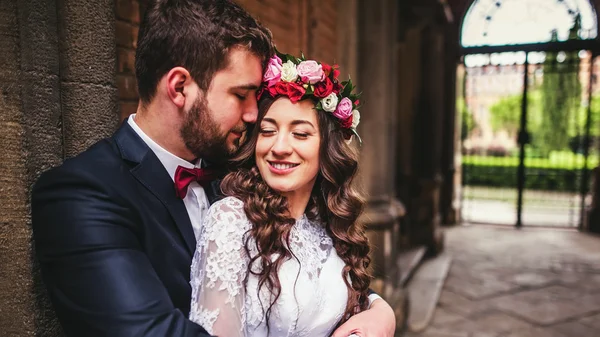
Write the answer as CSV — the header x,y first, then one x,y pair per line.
x,y
347,123
273,90
336,72
295,92
356,103
323,88
326,69
260,92
337,87
290,89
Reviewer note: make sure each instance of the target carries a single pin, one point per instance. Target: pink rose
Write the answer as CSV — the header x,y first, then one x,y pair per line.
x,y
273,71
310,71
344,109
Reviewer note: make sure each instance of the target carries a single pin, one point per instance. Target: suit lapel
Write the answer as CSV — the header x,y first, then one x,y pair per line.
x,y
213,191
150,172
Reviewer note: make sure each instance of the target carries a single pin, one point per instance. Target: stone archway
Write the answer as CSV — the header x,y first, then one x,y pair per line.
x,y
574,28
460,8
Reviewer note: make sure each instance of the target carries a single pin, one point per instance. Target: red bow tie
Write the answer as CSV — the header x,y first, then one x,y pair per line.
x,y
184,176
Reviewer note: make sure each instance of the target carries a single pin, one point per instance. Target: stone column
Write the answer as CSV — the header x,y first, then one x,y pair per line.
x,y
592,215
57,96
449,167
31,141
376,64
87,72
347,36
425,183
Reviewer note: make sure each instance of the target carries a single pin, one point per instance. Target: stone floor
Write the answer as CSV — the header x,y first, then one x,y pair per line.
x,y
505,282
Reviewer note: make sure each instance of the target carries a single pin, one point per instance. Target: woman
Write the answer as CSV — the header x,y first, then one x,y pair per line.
x,y
283,255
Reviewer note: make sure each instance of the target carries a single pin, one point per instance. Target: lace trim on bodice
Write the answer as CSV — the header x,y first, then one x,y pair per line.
x,y
221,262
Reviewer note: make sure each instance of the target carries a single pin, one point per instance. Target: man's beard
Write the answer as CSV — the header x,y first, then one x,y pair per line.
x,y
202,135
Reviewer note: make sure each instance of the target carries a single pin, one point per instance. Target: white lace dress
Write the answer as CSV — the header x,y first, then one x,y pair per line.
x,y
313,293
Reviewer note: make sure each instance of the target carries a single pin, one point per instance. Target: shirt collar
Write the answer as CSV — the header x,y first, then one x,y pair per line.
x,y
169,160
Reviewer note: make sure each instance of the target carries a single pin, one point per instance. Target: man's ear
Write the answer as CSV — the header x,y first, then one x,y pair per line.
x,y
178,82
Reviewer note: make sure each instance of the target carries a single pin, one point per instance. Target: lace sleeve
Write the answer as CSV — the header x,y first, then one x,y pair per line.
x,y
218,270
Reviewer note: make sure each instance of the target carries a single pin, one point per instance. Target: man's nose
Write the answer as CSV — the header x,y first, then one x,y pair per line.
x,y
250,113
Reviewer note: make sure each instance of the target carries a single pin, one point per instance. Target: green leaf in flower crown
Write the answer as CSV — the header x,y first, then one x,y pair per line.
x,y
319,106
347,88
310,90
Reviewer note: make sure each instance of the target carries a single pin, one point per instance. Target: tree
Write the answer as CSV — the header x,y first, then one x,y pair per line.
x,y
467,121
577,128
506,113
561,96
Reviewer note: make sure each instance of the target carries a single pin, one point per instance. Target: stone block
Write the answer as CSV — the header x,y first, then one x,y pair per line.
x,y
9,57
42,123
16,317
39,36
8,18
90,114
442,317
87,56
491,323
592,321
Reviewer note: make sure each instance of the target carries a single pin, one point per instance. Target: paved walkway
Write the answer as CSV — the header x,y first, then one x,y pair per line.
x,y
498,205
505,282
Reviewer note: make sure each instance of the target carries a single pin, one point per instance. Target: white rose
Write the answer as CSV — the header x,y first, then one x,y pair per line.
x,y
330,102
355,118
289,72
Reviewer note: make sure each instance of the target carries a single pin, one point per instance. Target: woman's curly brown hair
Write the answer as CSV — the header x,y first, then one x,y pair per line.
x,y
333,200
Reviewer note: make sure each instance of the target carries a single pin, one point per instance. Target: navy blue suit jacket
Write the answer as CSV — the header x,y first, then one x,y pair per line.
x,y
114,242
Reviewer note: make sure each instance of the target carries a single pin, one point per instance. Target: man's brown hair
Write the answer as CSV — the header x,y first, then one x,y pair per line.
x,y
196,35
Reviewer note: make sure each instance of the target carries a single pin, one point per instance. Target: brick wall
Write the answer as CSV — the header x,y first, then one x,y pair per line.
x,y
127,24
308,26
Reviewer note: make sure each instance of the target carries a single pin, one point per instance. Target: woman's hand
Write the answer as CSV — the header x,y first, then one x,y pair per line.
x,y
378,321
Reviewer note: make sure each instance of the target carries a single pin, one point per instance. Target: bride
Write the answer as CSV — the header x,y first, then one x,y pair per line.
x,y
283,255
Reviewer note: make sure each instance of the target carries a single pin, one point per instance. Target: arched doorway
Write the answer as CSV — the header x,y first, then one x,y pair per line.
x,y
529,111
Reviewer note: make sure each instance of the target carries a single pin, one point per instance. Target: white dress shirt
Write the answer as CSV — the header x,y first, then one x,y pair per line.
x,y
195,201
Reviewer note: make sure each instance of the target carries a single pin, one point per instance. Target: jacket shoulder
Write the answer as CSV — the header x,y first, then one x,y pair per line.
x,y
100,160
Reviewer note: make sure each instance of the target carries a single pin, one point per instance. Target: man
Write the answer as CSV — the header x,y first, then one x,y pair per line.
x,y
114,235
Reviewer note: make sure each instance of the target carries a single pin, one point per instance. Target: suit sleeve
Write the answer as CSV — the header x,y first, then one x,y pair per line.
x,y
99,279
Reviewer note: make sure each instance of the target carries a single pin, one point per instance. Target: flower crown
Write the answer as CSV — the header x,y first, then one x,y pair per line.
x,y
298,79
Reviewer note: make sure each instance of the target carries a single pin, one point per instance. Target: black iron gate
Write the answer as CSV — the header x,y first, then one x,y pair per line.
x,y
539,104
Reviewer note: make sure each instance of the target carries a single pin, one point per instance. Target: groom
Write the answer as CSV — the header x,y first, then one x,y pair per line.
x,y
115,227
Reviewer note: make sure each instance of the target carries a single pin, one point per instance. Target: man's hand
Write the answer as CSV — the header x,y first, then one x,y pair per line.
x,y
377,321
